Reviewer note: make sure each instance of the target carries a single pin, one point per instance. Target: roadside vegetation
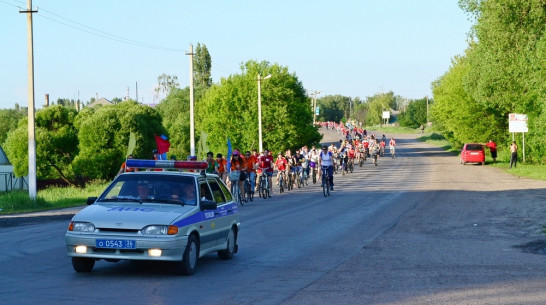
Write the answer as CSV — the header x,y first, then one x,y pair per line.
x,y
528,170
56,197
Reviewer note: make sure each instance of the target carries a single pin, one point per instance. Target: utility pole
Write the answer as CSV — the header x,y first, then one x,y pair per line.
x,y
31,128
192,128
314,104
427,109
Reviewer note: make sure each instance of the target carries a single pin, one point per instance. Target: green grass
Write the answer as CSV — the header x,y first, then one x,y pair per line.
x,y
51,198
392,129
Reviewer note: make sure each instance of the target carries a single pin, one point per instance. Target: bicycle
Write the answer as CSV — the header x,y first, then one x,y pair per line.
x,y
351,165
361,159
325,181
300,179
249,196
290,181
392,151
264,185
314,174
235,191
282,181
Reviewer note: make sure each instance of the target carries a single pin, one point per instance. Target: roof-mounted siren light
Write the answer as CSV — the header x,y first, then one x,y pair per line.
x,y
167,164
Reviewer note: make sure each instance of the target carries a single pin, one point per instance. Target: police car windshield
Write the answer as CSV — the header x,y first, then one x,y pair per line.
x,y
157,188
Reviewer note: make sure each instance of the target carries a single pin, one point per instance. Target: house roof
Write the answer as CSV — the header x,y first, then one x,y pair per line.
x,y
100,102
3,158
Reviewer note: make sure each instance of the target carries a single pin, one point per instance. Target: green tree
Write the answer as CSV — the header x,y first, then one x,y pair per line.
x,y
230,109
8,121
166,83
415,114
202,67
377,104
460,117
507,64
104,135
333,108
56,144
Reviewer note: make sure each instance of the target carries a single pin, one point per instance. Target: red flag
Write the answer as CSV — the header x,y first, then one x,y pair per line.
x,y
162,144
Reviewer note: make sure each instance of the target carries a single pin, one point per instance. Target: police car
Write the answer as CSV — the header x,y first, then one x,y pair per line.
x,y
157,215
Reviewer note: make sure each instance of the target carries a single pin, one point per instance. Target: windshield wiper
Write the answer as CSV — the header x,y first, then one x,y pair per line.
x,y
117,199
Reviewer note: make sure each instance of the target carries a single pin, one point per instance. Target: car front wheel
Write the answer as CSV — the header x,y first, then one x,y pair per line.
x,y
188,265
83,264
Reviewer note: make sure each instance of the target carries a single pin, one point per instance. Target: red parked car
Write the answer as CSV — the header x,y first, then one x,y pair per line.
x,y
473,153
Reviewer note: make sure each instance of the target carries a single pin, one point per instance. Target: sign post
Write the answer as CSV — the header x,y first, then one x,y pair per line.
x,y
518,123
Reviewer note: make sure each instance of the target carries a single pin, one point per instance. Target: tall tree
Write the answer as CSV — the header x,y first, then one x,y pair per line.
x,y
202,66
56,144
165,84
230,109
8,121
508,65
104,134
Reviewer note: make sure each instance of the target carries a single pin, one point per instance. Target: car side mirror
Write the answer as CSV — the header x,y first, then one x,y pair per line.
x,y
91,200
207,205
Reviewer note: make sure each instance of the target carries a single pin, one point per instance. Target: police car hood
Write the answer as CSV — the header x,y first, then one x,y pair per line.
x,y
131,215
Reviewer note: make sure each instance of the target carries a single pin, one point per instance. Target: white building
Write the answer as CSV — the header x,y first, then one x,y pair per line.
x,y
8,181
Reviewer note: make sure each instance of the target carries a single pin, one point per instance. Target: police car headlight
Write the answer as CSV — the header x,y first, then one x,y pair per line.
x,y
160,230
78,226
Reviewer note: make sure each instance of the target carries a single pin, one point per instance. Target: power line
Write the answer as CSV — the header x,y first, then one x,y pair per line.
x,y
93,31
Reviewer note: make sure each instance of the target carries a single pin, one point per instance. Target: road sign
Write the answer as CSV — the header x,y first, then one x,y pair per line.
x,y
517,122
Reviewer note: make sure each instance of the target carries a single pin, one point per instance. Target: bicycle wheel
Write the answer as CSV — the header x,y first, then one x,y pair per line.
x,y
325,186
314,176
281,181
249,195
263,183
351,167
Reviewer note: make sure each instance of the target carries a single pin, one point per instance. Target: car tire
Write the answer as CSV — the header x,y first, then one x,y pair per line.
x,y
230,247
83,264
188,265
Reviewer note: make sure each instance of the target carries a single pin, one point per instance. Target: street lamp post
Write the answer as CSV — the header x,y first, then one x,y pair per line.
x,y
314,104
260,110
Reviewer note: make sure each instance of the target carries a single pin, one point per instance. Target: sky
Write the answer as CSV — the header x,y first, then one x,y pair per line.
x,y
105,48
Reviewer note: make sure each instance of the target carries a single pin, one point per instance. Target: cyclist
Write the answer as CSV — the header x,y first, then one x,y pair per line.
x,y
392,147
280,165
351,154
212,164
325,160
292,167
314,161
222,167
265,165
238,163
251,169
299,159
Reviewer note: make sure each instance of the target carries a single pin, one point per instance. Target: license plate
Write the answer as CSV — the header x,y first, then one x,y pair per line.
x,y
116,243
474,154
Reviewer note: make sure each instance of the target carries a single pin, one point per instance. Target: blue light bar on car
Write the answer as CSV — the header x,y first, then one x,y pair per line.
x,y
139,163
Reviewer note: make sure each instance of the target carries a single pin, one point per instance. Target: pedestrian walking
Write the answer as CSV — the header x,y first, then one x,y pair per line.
x,y
513,154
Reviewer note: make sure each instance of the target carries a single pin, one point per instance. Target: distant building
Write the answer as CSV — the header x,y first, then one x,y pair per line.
x,y
101,102
8,181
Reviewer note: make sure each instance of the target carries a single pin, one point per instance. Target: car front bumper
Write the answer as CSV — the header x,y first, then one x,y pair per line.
x,y
172,247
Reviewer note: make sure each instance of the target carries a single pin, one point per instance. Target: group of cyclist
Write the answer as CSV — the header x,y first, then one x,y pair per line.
x,y
295,169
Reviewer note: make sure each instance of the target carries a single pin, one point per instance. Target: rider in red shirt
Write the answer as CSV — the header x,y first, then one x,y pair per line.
x,y
265,164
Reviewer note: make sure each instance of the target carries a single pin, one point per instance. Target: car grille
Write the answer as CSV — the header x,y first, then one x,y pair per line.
x,y
115,230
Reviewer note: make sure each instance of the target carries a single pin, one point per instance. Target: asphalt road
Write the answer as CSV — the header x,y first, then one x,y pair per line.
x,y
418,229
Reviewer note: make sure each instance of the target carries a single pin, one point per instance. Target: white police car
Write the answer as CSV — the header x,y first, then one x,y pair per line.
x,y
156,215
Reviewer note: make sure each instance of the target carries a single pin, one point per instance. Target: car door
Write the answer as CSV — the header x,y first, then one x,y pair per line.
x,y
225,208
209,226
